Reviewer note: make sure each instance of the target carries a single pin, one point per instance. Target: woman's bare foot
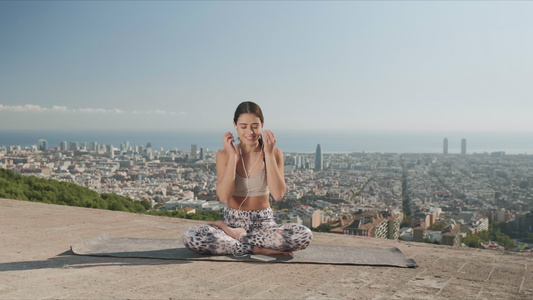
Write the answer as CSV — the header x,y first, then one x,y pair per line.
x,y
265,251
233,232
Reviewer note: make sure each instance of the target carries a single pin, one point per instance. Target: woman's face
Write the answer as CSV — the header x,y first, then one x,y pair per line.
x,y
249,128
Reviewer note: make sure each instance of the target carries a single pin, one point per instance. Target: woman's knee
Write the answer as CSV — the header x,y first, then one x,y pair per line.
x,y
188,236
302,236
194,235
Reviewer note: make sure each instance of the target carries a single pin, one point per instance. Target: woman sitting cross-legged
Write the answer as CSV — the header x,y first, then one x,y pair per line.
x,y
247,173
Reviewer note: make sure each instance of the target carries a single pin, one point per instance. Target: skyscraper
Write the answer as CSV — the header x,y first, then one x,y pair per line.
x,y
42,145
111,151
202,153
298,160
445,146
194,151
124,146
93,146
463,147
318,158
149,153
63,145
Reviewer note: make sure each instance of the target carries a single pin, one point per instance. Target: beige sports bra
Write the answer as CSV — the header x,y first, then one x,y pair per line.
x,y
253,186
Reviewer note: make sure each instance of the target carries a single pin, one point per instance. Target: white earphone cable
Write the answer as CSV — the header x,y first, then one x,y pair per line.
x,y
246,173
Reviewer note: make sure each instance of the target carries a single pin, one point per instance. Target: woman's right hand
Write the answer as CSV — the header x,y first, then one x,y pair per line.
x,y
227,142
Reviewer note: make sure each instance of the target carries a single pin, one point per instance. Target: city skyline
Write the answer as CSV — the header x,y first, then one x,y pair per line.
x,y
126,146
309,65
379,142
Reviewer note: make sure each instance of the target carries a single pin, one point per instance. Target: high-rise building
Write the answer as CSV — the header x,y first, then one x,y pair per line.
x,y
203,152
93,146
73,146
110,150
298,161
149,150
42,145
445,146
194,151
318,158
63,145
463,147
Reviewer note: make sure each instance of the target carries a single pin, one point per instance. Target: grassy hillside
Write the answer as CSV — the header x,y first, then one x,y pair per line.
x,y
31,188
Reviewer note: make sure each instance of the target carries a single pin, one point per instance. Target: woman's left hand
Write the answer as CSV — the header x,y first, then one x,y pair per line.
x,y
269,140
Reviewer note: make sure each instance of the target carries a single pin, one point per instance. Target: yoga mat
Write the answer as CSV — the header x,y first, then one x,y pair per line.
x,y
106,245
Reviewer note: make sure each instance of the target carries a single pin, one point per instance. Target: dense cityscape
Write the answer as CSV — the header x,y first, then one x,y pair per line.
x,y
437,198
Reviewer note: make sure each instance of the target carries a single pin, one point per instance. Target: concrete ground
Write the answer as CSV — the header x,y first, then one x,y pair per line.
x,y
36,263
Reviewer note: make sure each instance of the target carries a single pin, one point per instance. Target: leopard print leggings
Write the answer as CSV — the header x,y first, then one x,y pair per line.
x,y
261,231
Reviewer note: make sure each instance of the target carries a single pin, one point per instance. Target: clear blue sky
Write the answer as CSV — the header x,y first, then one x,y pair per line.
x,y
173,65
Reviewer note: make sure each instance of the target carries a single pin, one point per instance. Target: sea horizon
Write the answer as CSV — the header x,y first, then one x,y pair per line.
x,y
331,141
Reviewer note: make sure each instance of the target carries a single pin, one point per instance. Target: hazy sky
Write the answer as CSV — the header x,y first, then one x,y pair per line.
x,y
174,65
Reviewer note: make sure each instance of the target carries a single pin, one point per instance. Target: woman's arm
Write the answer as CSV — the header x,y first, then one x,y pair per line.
x,y
226,169
274,166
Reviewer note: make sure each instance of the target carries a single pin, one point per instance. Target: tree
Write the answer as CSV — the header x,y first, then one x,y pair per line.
x,y
472,241
439,226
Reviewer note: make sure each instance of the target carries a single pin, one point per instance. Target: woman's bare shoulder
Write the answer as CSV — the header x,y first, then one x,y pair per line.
x,y
222,153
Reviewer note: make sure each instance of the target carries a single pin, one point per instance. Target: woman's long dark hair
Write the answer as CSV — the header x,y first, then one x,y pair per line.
x,y
249,107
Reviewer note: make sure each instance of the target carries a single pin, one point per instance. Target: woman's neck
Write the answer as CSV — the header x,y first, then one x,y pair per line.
x,y
248,149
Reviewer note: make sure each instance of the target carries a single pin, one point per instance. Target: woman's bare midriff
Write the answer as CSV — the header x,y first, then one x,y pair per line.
x,y
252,203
